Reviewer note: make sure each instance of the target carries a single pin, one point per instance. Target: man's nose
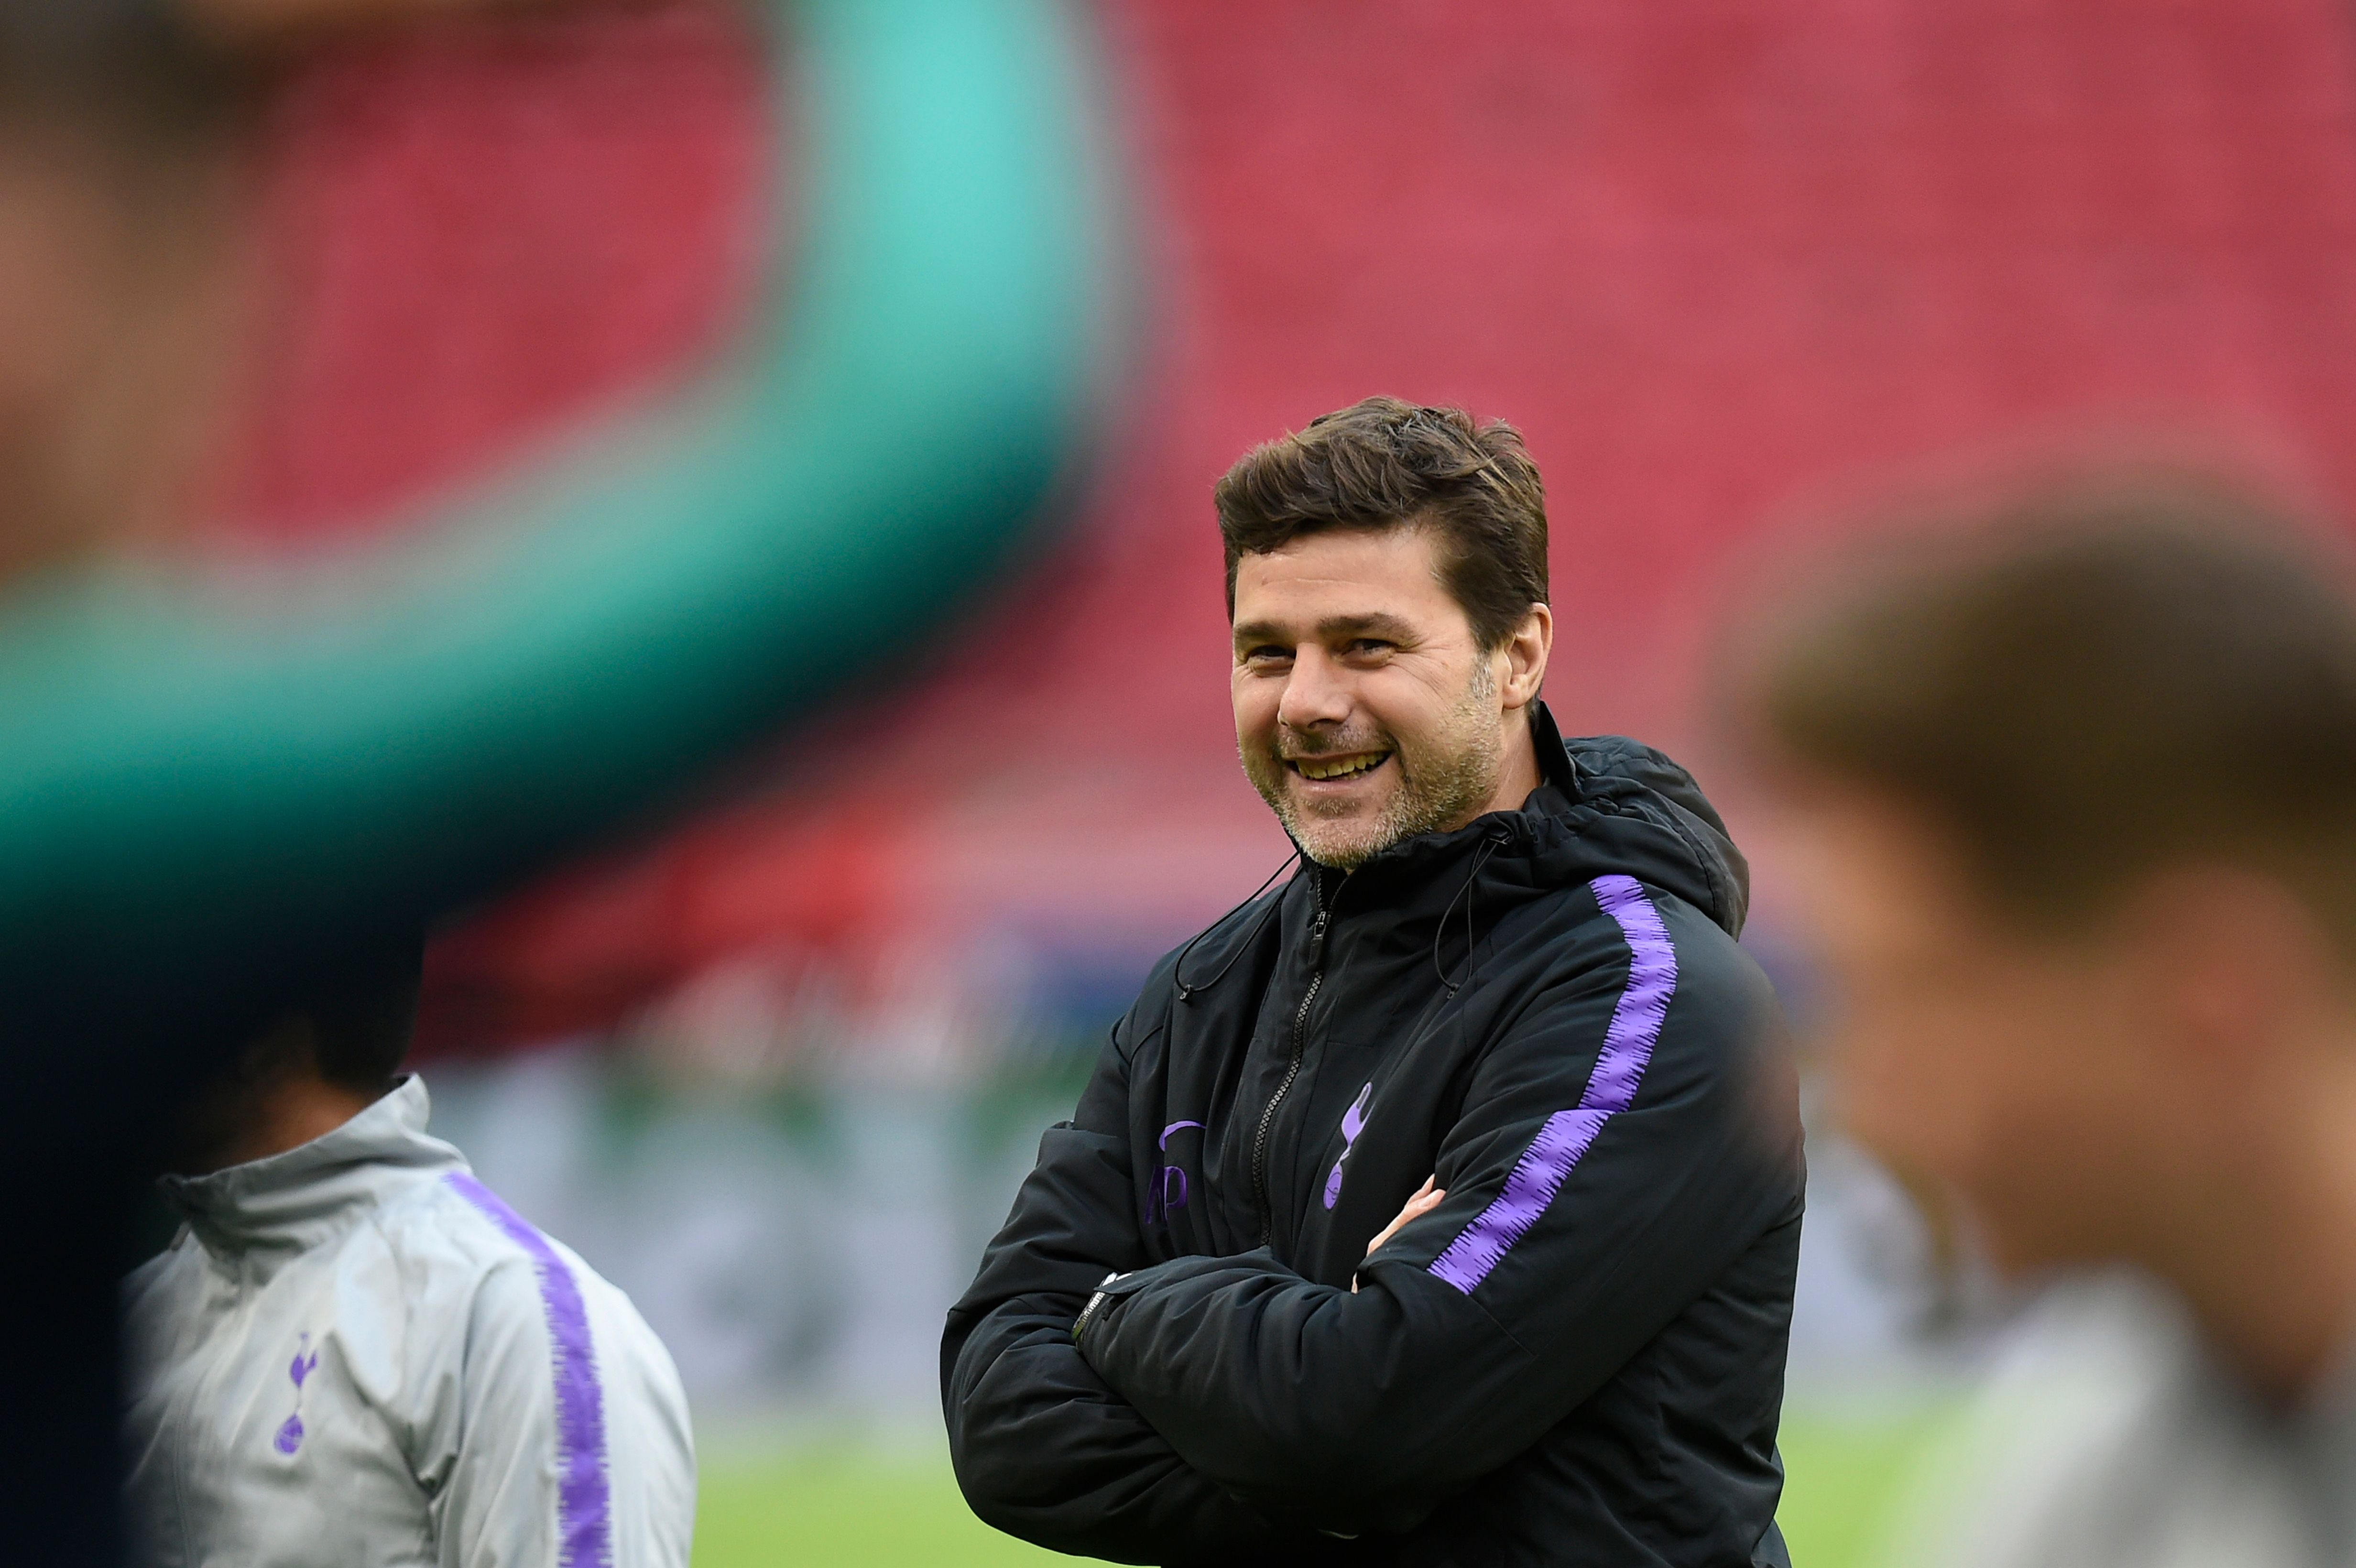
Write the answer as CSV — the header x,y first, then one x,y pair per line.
x,y
1315,693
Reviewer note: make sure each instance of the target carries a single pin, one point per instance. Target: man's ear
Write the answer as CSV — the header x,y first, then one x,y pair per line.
x,y
1525,657
2236,967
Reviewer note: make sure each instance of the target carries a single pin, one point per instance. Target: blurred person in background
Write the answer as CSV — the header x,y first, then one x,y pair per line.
x,y
354,1352
2070,809
1442,1206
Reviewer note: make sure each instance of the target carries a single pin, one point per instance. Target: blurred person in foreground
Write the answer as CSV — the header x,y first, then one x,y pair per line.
x,y
354,1352
2070,809
213,783
1442,1206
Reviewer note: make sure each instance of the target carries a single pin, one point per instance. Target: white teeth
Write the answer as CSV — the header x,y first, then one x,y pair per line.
x,y
1339,767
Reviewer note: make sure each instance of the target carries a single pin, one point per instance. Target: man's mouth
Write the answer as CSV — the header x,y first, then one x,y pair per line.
x,y
1347,766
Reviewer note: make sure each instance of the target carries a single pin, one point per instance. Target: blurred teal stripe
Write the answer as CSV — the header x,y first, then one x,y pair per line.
x,y
371,737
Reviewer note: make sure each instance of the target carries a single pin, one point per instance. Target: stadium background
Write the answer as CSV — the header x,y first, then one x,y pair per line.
x,y
775,1064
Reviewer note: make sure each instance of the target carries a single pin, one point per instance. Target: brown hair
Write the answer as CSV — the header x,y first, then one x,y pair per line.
x,y
2114,675
363,1012
1383,463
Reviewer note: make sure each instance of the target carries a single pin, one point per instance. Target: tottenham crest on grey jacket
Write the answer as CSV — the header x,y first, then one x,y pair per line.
x,y
355,1354
1576,1357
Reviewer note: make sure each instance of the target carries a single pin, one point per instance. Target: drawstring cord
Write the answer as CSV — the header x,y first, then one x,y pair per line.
x,y
1490,844
1177,970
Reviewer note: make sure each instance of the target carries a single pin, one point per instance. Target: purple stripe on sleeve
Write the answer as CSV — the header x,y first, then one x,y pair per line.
x,y
583,1505
1627,1044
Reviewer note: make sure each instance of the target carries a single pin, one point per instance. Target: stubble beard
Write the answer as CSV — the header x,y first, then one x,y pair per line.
x,y
1444,781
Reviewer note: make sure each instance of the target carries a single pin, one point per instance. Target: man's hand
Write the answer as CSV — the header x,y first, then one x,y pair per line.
x,y
1425,1200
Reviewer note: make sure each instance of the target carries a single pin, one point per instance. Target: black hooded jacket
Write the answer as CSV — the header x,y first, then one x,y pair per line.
x,y
1577,1357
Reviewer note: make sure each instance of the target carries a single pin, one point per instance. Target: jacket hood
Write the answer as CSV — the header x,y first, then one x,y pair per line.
x,y
1636,812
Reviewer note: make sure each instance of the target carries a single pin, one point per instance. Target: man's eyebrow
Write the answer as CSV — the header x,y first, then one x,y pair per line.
x,y
1390,628
1333,629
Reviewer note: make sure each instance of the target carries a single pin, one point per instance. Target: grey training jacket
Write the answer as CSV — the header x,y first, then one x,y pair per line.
x,y
354,1353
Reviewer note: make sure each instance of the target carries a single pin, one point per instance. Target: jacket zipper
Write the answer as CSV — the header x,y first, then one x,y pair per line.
x,y
1292,1067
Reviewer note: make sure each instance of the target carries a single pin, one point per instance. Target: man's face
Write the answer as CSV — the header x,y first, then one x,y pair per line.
x,y
1365,712
2011,1072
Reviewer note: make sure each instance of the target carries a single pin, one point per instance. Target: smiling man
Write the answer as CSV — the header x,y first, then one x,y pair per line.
x,y
1441,1206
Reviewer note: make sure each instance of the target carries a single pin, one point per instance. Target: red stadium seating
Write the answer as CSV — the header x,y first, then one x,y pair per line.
x,y
1715,258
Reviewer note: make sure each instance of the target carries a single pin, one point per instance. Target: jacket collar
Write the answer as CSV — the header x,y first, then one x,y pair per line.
x,y
296,1198
1557,766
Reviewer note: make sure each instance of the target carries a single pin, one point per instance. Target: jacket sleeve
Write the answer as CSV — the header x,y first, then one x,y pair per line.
x,y
1612,1161
1042,1447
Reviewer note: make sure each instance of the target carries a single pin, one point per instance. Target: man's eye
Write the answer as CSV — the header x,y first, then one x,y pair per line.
x,y
1369,647
1268,654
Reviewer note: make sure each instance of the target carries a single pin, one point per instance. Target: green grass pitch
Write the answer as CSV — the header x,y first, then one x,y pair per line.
x,y
848,1504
